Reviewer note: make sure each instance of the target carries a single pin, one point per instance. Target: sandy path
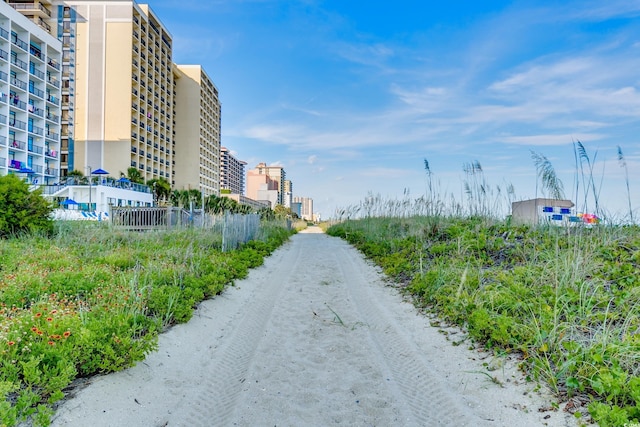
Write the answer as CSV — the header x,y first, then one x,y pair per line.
x,y
312,338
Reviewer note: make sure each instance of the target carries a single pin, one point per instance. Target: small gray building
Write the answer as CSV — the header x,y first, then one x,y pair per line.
x,y
536,211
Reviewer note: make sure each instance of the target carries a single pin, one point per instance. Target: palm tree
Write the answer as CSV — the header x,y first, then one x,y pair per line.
x,y
134,175
161,189
77,175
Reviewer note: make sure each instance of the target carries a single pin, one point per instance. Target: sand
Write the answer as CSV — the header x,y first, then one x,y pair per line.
x,y
314,337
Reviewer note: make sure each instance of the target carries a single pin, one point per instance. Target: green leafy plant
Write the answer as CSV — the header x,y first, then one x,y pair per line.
x,y
88,300
21,210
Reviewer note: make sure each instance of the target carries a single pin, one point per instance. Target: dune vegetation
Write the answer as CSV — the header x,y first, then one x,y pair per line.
x,y
87,299
565,299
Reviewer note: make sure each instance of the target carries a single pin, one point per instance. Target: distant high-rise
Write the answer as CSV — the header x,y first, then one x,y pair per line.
x,y
306,207
287,193
273,176
197,126
231,172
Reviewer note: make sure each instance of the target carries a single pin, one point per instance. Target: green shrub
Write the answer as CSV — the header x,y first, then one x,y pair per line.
x,y
22,211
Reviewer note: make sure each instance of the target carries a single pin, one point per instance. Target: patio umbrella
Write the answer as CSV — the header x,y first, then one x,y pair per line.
x,y
99,172
69,202
124,180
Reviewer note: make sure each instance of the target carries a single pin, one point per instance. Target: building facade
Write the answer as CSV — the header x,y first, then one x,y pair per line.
x,y
30,75
58,19
274,178
306,207
231,172
287,193
197,130
124,94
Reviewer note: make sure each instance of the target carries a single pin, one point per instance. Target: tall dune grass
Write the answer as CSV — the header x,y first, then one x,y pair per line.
x,y
566,299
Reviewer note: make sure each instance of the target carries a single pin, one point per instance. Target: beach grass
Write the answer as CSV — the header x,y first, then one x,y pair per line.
x,y
91,300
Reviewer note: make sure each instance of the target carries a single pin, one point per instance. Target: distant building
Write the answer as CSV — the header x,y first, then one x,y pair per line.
x,y
296,208
197,126
287,196
272,176
536,211
306,207
231,172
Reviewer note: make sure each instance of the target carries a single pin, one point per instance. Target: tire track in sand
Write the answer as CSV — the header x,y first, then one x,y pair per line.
x,y
428,400
215,399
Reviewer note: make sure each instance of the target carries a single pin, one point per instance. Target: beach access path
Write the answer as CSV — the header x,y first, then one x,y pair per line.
x,y
314,337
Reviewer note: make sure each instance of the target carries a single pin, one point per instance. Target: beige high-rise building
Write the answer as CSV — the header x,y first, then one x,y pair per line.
x,y
124,104
197,131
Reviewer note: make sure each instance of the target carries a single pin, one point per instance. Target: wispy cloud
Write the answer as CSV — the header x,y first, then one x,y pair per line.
x,y
549,140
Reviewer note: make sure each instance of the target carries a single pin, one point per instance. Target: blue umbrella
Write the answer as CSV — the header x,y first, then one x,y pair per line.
x,y
99,172
69,202
123,179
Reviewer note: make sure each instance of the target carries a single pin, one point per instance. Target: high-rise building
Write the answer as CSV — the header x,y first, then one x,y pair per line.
x,y
231,172
197,131
287,193
306,207
58,19
273,176
124,94
30,75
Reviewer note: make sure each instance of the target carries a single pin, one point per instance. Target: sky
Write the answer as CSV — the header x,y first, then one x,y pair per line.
x,y
352,97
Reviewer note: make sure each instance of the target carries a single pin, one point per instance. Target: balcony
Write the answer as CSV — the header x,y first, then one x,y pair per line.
x,y
43,24
51,153
34,71
19,42
37,130
53,82
14,143
36,52
53,64
37,92
36,149
52,135
19,63
4,33
19,83
32,9
53,118
15,102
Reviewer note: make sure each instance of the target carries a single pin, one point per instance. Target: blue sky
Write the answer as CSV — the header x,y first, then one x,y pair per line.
x,y
351,97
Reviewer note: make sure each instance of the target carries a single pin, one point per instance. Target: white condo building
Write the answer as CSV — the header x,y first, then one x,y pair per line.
x,y
30,76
